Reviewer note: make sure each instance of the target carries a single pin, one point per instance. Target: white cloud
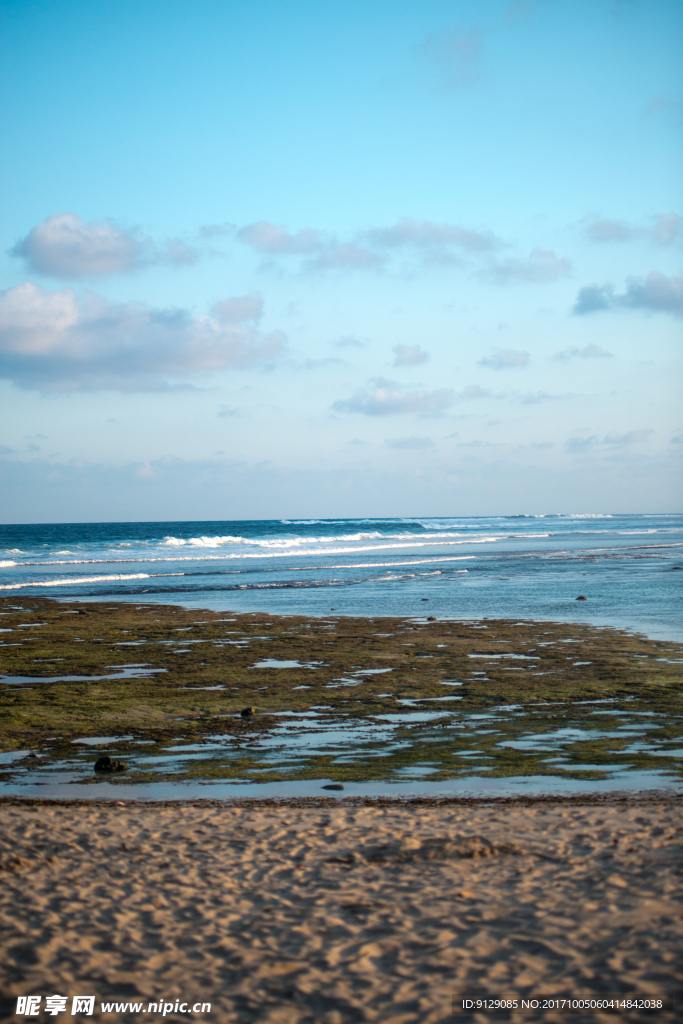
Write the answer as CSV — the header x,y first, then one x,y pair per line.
x,y
322,248
655,293
455,54
410,443
593,298
430,237
373,248
603,230
591,351
275,241
349,341
667,229
612,439
66,247
506,359
541,267
409,355
534,397
386,398
59,341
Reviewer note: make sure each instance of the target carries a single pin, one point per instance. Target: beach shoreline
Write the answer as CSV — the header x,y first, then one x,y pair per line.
x,y
336,912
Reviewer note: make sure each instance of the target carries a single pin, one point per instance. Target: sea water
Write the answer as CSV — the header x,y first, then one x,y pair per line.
x,y
523,567
519,567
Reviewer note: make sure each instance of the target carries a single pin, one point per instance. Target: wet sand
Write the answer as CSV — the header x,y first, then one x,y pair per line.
x,y
333,912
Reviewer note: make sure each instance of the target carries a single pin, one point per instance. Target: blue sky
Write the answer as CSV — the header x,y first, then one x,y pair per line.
x,y
269,259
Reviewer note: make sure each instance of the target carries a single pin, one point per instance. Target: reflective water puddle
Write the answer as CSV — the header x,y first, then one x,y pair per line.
x,y
590,745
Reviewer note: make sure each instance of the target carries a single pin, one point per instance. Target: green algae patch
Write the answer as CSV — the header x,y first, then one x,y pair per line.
x,y
382,698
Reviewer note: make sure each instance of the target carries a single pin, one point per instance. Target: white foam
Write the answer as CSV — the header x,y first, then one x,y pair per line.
x,y
74,582
587,515
274,542
427,543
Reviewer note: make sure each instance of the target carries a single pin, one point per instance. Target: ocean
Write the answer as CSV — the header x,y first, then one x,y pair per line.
x,y
525,566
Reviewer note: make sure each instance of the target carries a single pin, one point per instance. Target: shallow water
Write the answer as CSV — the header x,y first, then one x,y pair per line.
x,y
473,786
562,748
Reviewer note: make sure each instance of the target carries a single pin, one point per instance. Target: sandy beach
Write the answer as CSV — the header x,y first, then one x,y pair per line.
x,y
335,912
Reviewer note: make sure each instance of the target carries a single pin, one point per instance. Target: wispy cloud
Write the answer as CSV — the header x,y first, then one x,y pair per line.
x,y
455,55
655,293
345,256
422,243
665,229
520,10
409,355
591,351
668,229
238,310
581,444
435,242
68,248
474,391
175,253
61,341
577,445
629,438
534,397
410,443
541,267
209,231
664,103
349,341
323,250
603,230
387,398
274,241
506,359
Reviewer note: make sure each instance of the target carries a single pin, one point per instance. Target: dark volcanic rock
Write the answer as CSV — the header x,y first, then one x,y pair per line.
x,y
107,764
